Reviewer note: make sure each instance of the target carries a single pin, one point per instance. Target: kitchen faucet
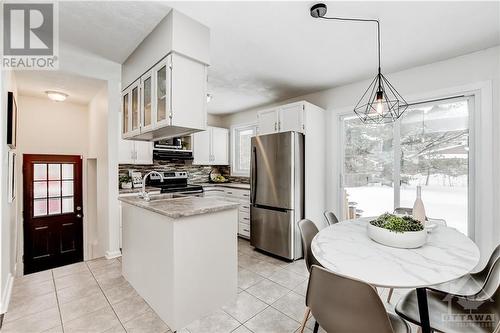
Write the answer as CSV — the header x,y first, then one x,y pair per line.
x,y
144,194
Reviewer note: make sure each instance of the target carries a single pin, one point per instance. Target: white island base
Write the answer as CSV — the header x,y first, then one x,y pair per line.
x,y
184,267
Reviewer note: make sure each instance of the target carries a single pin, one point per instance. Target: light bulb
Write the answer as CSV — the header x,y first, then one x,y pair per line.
x,y
380,107
380,100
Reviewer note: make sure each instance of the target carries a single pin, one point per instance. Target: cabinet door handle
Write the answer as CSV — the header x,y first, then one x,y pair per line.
x,y
275,126
279,125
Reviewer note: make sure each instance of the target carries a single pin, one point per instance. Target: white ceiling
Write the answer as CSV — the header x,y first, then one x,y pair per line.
x,y
80,90
263,52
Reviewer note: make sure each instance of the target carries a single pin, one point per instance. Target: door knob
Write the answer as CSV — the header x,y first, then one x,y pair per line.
x,y
79,215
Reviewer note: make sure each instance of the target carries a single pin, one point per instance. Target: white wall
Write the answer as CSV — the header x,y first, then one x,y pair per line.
x,y
98,129
440,79
8,227
78,61
47,127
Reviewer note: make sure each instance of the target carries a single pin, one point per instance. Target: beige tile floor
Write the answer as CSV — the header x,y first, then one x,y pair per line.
x,y
93,297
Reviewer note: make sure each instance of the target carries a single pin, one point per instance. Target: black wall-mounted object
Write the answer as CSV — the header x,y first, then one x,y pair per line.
x,y
11,120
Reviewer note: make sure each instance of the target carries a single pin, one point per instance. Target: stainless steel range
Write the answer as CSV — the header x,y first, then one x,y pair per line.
x,y
174,182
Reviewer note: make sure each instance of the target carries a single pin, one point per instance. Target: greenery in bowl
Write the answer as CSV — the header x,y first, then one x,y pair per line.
x,y
399,224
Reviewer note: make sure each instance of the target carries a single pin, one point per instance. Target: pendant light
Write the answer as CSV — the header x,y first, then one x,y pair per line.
x,y
381,102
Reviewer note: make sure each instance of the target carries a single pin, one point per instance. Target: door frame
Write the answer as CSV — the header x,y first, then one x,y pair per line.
x,y
79,195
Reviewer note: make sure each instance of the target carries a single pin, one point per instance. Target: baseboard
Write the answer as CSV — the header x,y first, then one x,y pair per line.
x,y
6,294
113,254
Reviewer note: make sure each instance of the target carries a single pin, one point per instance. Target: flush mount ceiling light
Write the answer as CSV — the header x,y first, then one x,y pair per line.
x,y
381,102
56,95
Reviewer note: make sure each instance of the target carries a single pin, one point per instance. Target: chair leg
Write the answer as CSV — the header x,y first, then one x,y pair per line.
x,y
316,327
390,295
306,317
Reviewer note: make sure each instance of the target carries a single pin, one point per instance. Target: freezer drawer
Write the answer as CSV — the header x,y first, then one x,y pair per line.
x,y
274,231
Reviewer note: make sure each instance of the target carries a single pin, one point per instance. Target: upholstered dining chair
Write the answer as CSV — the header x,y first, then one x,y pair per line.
x,y
307,231
479,313
340,304
330,217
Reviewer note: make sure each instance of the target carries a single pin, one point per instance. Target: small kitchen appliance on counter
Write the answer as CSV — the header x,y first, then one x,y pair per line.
x,y
174,182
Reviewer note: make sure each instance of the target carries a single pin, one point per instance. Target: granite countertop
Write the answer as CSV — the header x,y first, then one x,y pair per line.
x,y
177,207
241,186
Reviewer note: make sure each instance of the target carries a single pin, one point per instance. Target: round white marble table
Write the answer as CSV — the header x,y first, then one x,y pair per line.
x,y
346,249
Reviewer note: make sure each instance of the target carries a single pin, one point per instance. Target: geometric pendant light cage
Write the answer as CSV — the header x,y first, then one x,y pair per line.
x,y
381,102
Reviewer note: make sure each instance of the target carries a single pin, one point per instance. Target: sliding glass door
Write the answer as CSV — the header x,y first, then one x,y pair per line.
x,y
428,146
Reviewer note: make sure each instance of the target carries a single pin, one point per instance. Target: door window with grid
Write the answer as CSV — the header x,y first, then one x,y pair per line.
x,y
53,189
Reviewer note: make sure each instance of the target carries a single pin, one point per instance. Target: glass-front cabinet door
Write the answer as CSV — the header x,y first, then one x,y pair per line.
x,y
125,112
147,102
162,74
135,127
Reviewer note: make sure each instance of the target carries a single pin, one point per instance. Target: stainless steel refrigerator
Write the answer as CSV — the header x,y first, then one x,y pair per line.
x,y
277,193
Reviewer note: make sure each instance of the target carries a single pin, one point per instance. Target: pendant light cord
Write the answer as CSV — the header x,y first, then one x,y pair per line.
x,y
360,20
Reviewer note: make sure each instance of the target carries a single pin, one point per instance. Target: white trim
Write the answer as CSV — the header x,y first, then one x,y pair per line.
x,y
7,292
113,254
232,129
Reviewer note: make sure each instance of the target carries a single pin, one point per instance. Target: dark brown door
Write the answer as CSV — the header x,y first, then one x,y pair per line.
x,y
53,211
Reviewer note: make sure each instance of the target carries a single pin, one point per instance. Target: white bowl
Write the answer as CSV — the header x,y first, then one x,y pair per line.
x,y
403,240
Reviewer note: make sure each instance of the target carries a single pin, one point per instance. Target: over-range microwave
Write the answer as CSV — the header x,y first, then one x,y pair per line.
x,y
173,149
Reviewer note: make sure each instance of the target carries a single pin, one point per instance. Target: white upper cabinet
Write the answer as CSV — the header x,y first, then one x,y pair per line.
x,y
162,74
268,121
220,146
147,101
211,147
173,98
285,118
165,80
291,118
130,110
201,148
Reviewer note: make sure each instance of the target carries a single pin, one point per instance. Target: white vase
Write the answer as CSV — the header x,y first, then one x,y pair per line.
x,y
418,207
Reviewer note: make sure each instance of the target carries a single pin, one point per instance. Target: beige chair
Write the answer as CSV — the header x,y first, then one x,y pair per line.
x,y
307,232
450,313
330,217
340,304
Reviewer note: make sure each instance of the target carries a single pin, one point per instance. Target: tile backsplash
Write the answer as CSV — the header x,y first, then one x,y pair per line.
x,y
197,173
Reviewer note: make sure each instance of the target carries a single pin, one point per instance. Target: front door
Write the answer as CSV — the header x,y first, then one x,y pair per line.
x,y
53,212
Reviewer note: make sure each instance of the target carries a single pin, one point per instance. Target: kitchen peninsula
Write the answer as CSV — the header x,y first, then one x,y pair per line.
x,y
180,254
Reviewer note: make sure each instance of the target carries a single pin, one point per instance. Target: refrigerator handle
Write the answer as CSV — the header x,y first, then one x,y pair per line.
x,y
254,175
